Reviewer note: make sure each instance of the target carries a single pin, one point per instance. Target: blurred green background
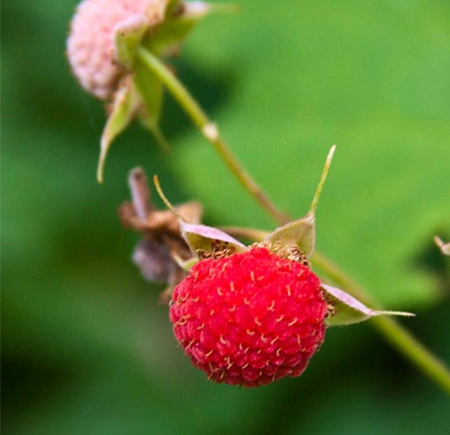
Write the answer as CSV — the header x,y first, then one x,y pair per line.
x,y
86,347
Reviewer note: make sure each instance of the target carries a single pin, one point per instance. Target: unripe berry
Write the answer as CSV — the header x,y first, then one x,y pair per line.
x,y
90,47
249,318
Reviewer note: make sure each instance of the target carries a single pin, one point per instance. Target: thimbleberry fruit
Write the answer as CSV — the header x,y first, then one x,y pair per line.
x,y
90,47
251,315
249,318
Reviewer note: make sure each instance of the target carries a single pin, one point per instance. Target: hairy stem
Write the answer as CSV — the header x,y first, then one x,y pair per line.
x,y
391,329
210,131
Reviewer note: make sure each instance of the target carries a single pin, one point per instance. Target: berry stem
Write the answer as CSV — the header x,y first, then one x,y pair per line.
x,y
391,329
397,335
210,131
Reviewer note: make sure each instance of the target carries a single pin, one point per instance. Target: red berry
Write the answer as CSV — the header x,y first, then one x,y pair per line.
x,y
249,318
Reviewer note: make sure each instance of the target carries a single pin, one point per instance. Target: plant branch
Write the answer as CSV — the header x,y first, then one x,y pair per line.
x,y
393,331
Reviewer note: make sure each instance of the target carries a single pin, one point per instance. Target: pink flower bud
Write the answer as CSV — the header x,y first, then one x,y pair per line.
x,y
90,46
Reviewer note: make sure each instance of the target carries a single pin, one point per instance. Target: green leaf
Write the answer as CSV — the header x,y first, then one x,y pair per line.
x,y
127,36
86,347
348,310
300,233
125,105
282,97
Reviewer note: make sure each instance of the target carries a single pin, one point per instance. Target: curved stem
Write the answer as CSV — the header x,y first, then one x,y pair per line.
x,y
391,329
210,131
414,350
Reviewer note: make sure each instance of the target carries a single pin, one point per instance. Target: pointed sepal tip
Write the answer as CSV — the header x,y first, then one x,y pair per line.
x,y
348,310
201,237
323,177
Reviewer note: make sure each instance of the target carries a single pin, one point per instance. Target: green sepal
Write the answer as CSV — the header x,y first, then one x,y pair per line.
x,y
127,37
300,233
201,238
170,6
174,29
151,90
348,310
124,106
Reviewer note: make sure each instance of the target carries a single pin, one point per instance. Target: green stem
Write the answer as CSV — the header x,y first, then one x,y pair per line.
x,y
210,131
414,350
391,329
